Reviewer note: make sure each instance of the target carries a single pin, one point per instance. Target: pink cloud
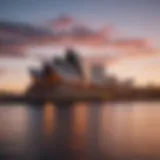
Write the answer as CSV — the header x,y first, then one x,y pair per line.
x,y
66,31
62,22
14,50
134,43
135,47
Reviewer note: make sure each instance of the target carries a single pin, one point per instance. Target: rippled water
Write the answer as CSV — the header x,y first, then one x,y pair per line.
x,y
80,131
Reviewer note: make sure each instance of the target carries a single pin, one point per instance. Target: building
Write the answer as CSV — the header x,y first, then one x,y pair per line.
x,y
57,76
97,74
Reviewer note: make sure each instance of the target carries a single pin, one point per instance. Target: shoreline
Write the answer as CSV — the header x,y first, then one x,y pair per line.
x,y
71,99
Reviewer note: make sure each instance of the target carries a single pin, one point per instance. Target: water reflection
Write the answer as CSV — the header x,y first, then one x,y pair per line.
x,y
80,131
79,127
116,130
94,131
49,119
13,131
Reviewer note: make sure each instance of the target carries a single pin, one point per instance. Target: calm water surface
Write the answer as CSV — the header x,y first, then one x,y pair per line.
x,y
80,131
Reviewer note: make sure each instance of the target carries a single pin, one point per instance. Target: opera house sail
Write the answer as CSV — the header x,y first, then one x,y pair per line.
x,y
58,77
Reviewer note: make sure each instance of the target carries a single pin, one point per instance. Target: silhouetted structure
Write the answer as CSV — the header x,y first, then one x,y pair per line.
x,y
98,74
73,59
65,78
59,76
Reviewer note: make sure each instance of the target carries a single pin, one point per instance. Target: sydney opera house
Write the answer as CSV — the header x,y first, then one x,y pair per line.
x,y
68,77
59,77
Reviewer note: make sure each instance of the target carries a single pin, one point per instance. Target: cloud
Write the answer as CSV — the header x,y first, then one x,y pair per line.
x,y
135,47
75,34
15,38
3,71
22,30
133,43
61,23
12,50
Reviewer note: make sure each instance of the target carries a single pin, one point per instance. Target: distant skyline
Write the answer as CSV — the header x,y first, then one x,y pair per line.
x,y
129,24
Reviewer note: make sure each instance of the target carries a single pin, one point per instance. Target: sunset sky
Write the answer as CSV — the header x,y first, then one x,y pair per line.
x,y
123,34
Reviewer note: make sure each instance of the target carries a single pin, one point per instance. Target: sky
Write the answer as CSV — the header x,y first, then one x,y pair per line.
x,y
127,30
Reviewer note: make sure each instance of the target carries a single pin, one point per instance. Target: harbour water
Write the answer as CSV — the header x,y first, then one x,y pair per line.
x,y
80,131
